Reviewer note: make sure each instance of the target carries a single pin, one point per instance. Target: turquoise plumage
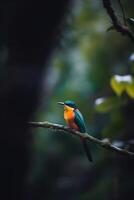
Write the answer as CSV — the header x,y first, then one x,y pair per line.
x,y
79,120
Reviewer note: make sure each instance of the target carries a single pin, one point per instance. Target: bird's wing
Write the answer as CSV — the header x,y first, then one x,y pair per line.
x,y
79,120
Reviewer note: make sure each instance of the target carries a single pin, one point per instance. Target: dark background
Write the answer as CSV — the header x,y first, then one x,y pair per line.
x,y
27,32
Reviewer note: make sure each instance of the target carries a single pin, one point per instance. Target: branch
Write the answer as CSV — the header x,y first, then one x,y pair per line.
x,y
117,24
103,143
123,12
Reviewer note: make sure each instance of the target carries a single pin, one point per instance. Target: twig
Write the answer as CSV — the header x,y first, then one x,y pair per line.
x,y
123,12
124,30
103,143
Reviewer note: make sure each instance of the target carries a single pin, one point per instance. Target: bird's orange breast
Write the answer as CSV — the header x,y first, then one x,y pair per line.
x,y
69,118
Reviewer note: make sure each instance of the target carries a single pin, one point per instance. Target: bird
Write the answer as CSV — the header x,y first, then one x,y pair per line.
x,y
75,120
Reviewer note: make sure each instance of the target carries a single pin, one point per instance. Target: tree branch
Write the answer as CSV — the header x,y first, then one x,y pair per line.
x,y
117,24
103,143
123,12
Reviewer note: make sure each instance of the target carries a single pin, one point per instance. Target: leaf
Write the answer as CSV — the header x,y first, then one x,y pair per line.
x,y
108,104
130,22
131,58
110,28
130,89
117,84
123,83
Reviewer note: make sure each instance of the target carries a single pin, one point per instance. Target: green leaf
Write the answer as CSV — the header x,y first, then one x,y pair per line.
x,y
110,28
130,89
123,83
117,84
108,104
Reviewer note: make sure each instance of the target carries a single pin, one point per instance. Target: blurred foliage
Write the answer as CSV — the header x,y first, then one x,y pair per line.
x,y
108,104
90,67
123,83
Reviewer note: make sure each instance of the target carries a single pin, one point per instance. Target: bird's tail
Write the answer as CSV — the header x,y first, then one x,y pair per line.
x,y
87,150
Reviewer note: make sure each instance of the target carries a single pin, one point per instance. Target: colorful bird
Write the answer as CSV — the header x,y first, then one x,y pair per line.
x,y
74,120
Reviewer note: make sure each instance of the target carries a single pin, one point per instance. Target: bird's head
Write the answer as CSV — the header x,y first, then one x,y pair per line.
x,y
68,105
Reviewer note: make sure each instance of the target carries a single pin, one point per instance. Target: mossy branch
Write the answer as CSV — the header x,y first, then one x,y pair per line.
x,y
103,143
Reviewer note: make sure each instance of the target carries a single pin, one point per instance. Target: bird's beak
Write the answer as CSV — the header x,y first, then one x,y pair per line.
x,y
61,103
